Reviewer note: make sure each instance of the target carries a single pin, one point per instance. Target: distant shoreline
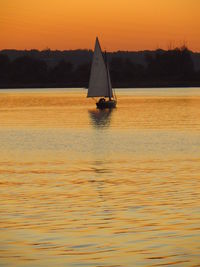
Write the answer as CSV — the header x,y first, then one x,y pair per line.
x,y
71,69
121,86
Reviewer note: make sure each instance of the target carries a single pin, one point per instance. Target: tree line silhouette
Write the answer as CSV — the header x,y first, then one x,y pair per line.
x,y
173,67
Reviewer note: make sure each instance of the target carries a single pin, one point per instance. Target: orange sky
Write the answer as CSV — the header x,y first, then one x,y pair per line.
x,y
120,24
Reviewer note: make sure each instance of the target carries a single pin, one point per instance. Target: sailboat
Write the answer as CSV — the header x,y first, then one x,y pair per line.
x,y
100,83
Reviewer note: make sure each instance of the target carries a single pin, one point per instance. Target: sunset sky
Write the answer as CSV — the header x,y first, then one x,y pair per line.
x,y
120,24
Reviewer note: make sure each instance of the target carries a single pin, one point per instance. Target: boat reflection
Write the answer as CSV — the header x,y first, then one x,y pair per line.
x,y
100,118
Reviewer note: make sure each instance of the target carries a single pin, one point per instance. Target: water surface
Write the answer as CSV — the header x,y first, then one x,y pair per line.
x,y
80,187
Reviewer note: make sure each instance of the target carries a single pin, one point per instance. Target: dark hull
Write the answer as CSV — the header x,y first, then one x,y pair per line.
x,y
106,104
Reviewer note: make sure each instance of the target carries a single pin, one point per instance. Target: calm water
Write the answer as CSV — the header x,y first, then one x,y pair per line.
x,y
79,187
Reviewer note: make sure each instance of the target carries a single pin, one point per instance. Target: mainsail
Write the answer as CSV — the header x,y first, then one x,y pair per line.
x,y
99,84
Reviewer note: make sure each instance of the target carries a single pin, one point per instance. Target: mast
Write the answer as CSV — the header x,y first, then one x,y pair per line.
x,y
108,78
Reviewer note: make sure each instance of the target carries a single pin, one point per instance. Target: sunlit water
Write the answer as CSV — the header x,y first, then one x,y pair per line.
x,y
80,187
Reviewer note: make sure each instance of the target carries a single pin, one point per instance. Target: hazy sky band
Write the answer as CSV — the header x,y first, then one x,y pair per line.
x,y
120,24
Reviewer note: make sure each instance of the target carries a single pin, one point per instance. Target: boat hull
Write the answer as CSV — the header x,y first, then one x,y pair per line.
x,y
106,104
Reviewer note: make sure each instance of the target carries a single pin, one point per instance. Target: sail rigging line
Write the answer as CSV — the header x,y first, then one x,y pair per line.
x,y
115,96
110,93
106,63
107,73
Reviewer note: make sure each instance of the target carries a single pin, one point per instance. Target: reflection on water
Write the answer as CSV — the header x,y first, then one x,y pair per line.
x,y
100,118
100,188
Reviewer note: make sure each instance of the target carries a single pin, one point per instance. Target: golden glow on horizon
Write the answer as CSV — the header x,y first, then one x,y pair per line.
x,y
120,24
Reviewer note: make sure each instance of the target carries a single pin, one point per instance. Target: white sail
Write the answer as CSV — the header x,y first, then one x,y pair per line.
x,y
99,84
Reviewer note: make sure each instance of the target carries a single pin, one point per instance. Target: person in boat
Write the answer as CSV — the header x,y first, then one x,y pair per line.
x,y
101,100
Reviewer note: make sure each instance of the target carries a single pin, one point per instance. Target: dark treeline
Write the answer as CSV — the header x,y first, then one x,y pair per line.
x,y
177,67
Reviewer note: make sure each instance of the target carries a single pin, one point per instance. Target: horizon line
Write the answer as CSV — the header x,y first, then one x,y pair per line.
x,y
89,49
